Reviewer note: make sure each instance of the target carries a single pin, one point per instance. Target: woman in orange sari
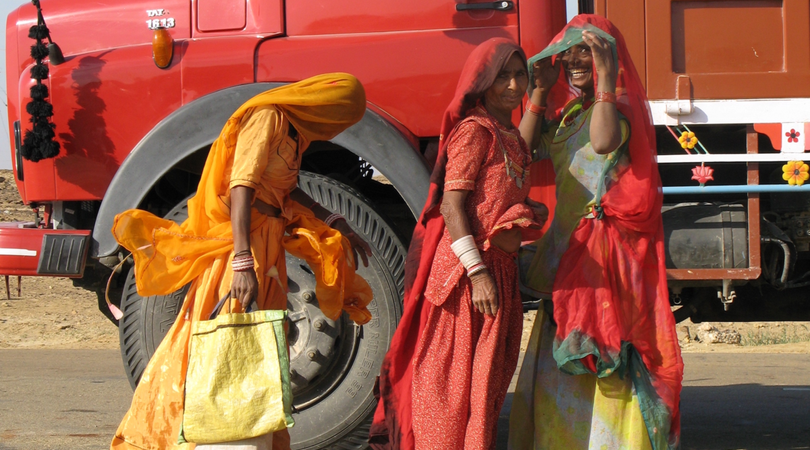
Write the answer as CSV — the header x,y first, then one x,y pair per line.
x,y
234,240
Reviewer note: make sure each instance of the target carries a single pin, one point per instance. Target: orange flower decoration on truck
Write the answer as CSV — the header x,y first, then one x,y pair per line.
x,y
795,173
688,140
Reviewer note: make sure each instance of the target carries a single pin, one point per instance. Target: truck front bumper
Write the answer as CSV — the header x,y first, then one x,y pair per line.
x,y
29,251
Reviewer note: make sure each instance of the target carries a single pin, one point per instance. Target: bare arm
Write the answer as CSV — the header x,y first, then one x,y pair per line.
x,y
606,135
545,76
485,294
245,285
360,248
455,219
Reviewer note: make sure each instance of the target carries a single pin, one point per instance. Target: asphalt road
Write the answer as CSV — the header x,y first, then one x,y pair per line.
x,y
74,399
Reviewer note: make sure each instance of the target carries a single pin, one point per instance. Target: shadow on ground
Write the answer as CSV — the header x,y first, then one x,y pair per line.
x,y
741,416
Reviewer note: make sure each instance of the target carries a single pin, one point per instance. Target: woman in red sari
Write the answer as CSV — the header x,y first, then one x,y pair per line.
x,y
445,377
606,372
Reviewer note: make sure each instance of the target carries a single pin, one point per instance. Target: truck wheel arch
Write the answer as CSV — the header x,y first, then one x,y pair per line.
x,y
197,124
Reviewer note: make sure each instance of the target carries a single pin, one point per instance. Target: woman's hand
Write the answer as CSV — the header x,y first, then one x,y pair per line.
x,y
507,240
606,69
545,74
360,248
484,293
540,211
245,287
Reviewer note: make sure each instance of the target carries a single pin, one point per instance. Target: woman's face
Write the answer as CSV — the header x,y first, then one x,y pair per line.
x,y
577,62
506,93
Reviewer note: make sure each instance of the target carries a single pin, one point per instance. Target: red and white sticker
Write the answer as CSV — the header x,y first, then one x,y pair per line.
x,y
794,137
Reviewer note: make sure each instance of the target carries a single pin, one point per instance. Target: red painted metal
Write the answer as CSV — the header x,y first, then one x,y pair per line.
x,y
12,90
316,17
20,247
767,57
105,102
412,76
109,94
211,64
220,15
261,17
539,22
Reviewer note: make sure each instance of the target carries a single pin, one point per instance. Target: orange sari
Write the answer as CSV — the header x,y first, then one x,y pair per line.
x,y
252,150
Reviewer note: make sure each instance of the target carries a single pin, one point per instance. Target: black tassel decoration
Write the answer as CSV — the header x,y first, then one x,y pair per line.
x,y
38,143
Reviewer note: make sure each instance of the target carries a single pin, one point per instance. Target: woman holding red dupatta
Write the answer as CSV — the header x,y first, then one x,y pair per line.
x,y
606,372
445,377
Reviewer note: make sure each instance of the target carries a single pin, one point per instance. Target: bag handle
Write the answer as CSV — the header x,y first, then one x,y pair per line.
x,y
218,307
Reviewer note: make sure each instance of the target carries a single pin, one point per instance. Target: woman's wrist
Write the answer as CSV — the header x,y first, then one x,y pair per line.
x,y
539,97
243,263
535,109
479,276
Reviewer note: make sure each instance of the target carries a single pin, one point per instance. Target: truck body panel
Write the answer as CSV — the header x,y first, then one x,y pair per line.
x,y
732,49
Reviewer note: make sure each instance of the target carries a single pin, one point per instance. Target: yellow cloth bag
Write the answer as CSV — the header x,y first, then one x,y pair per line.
x,y
238,379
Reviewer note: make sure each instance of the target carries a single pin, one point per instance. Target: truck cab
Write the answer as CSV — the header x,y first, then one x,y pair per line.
x,y
134,123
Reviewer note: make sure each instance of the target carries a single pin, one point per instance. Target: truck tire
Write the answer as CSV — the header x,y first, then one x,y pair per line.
x,y
333,364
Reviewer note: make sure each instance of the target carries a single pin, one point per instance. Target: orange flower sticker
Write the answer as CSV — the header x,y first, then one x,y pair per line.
x,y
795,173
688,140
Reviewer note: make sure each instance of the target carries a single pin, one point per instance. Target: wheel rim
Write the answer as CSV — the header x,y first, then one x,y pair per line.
x,y
321,349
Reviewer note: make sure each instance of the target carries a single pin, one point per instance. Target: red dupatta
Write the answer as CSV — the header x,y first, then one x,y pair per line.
x,y
392,425
611,302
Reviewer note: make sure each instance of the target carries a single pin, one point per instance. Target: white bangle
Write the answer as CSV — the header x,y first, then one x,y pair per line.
x,y
476,269
466,251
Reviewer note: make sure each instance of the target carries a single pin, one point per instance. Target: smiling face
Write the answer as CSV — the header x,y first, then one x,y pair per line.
x,y
577,62
506,93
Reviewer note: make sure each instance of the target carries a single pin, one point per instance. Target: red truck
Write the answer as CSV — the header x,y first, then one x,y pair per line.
x,y
134,123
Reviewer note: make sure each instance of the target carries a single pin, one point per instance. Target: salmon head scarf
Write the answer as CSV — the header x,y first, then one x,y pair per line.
x,y
479,73
391,428
611,302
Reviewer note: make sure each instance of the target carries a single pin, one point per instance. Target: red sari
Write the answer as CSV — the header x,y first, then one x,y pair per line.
x,y
411,360
611,302
465,360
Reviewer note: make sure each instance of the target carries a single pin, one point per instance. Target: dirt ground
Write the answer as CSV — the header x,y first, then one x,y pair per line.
x,y
52,313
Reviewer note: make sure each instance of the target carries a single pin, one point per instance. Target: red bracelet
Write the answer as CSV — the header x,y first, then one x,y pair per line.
x,y
608,97
534,109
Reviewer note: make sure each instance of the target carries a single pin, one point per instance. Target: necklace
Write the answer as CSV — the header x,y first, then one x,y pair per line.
x,y
513,170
